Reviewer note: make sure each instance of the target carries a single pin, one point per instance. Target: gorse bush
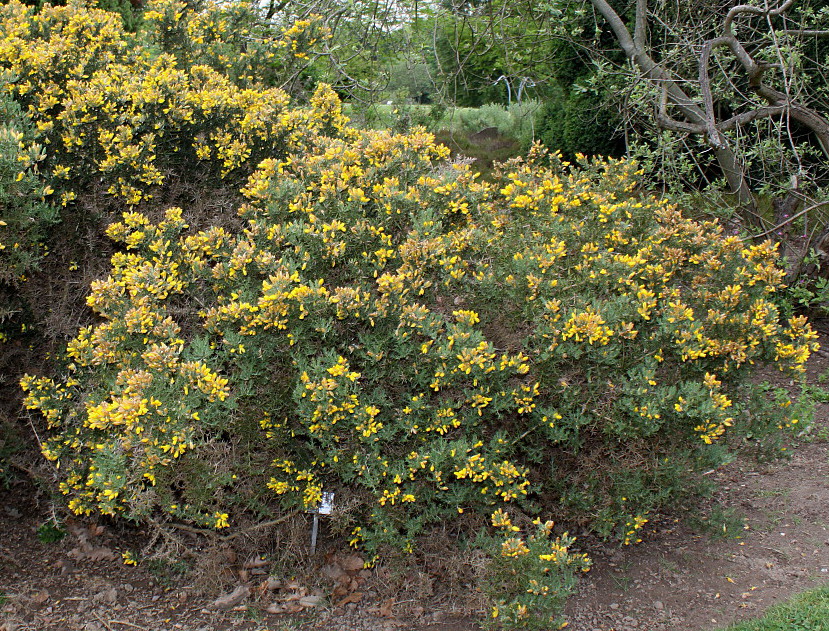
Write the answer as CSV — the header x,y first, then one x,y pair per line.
x,y
530,576
25,215
424,344
128,116
210,123
234,40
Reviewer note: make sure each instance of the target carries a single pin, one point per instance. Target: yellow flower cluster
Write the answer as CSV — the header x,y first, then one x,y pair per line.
x,y
531,571
632,529
587,326
509,481
303,481
107,108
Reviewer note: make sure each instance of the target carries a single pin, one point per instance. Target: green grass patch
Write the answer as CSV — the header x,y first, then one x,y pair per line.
x,y
167,571
516,121
720,523
806,612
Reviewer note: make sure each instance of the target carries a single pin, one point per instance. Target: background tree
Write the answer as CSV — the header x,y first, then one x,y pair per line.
x,y
708,93
739,87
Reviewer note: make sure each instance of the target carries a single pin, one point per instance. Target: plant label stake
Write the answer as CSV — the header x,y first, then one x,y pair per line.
x,y
325,507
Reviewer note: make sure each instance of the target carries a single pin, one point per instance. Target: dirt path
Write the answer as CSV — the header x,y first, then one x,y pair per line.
x,y
684,580
683,577
761,538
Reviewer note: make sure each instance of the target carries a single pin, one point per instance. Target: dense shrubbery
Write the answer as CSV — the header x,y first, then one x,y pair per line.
x,y
381,323
579,123
234,40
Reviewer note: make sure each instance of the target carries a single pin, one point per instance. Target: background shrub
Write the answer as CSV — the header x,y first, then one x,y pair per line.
x,y
129,118
235,40
575,122
25,214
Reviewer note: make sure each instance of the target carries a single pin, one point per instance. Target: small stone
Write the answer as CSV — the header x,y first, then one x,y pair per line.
x,y
614,605
658,605
106,596
310,601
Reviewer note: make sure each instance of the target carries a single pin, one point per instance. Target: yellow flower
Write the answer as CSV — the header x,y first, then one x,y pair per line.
x,y
221,520
513,547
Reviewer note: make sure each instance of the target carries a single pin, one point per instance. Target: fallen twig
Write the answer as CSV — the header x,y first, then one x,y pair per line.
x,y
102,621
128,624
266,524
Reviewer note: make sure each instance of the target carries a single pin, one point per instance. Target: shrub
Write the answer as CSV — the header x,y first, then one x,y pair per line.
x,y
529,577
235,40
377,321
127,116
580,122
44,52
421,343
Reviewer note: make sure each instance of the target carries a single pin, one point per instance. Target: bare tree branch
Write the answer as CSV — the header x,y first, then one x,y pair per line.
x,y
728,160
747,117
789,220
752,10
806,32
640,31
801,113
705,88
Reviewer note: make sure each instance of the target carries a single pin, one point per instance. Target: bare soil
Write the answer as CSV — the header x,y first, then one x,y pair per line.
x,y
762,537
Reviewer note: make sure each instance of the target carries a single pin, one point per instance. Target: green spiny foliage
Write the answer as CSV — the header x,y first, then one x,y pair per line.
x,y
422,343
25,215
